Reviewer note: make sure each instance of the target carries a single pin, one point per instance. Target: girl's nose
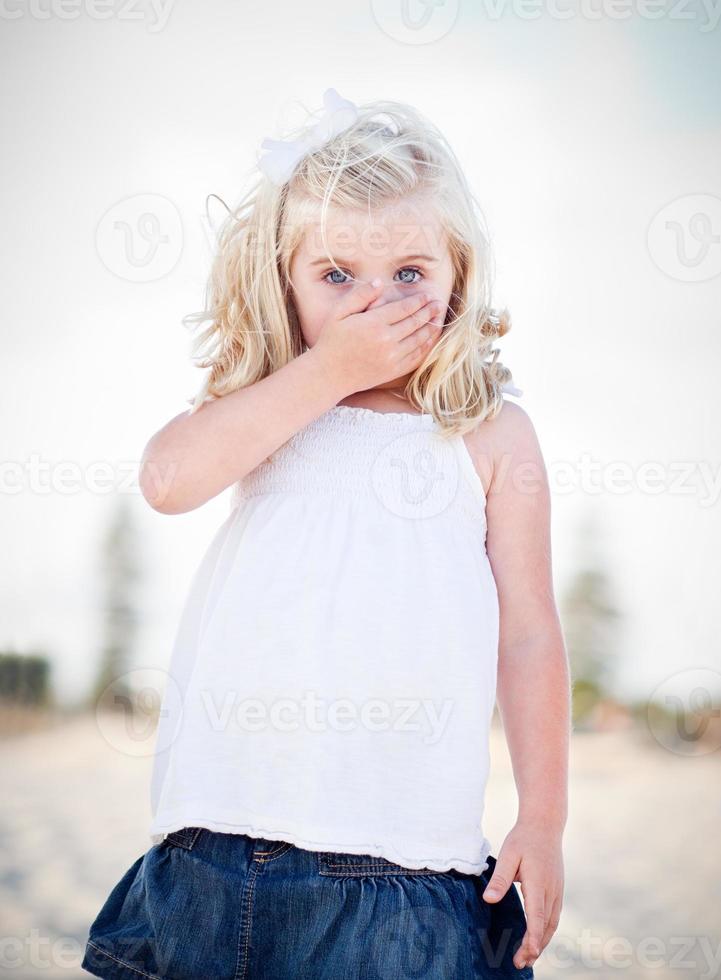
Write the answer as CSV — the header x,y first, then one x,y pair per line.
x,y
389,294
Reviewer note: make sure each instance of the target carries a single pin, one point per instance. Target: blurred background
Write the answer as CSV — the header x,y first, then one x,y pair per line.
x,y
591,135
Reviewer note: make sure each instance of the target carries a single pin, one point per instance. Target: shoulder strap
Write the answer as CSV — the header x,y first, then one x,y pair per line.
x,y
510,389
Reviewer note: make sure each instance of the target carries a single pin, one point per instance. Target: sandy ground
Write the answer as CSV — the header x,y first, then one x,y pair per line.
x,y
642,850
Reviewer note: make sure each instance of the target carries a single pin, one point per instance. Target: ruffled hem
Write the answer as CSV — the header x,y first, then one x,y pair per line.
x,y
441,864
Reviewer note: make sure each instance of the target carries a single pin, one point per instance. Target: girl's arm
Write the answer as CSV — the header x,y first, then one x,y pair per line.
x,y
196,456
533,690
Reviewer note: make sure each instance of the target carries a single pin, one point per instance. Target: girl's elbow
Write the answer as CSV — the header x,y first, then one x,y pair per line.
x,y
162,487
153,490
158,482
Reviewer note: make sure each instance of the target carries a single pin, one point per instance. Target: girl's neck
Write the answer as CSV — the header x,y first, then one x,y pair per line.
x,y
383,398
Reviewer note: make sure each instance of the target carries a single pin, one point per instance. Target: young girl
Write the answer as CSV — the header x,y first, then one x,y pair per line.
x,y
383,577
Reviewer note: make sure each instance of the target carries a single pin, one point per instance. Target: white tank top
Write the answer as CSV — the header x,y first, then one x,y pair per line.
x,y
333,675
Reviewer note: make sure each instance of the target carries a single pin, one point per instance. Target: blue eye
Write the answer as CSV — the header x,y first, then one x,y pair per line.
x,y
411,269
335,281
338,282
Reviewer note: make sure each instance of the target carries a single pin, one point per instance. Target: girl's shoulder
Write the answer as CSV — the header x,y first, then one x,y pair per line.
x,y
508,440
512,420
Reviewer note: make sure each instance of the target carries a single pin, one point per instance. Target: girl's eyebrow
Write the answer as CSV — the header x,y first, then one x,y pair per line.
x,y
324,260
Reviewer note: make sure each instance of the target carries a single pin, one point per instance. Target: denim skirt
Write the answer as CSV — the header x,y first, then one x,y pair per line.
x,y
202,905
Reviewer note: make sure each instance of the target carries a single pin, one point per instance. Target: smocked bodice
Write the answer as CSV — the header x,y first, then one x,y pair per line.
x,y
399,460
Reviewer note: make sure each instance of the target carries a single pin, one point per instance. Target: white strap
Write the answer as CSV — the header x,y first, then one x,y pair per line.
x,y
511,389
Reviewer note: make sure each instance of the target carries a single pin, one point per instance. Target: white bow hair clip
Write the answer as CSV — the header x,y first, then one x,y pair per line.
x,y
283,156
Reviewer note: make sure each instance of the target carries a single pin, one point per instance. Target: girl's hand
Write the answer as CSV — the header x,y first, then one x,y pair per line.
x,y
369,347
531,854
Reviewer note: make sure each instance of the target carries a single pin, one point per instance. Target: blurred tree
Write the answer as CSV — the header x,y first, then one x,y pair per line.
x,y
25,679
590,626
120,574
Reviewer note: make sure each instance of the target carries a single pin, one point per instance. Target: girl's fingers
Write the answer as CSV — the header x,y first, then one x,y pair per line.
x,y
531,945
357,299
401,312
417,328
422,343
552,922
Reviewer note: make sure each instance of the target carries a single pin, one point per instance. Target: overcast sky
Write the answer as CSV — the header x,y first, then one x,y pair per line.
x,y
594,146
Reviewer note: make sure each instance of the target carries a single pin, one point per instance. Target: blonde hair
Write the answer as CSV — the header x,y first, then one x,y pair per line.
x,y
389,152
